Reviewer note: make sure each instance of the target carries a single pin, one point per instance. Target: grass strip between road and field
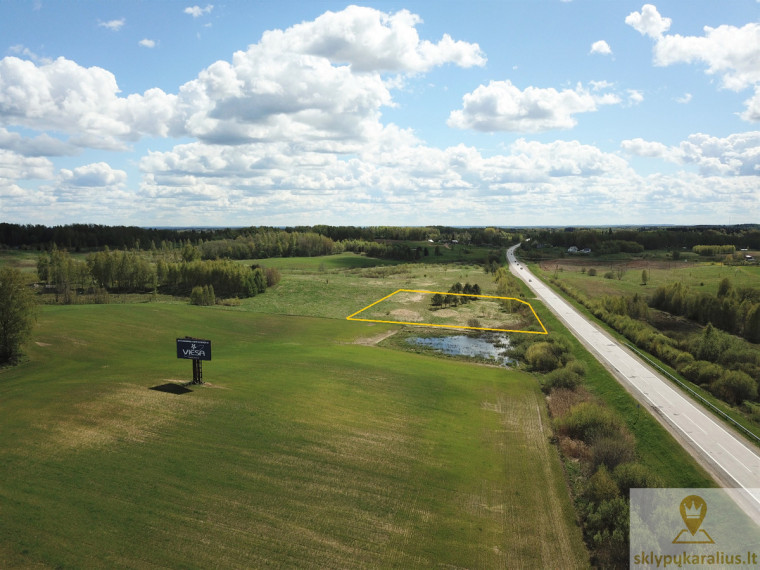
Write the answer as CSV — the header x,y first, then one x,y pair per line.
x,y
719,409
656,447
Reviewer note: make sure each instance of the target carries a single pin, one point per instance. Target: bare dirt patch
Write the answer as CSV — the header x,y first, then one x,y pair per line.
x,y
407,315
445,313
411,298
38,343
373,340
126,413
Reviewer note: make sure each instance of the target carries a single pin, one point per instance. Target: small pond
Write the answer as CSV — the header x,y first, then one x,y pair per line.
x,y
490,347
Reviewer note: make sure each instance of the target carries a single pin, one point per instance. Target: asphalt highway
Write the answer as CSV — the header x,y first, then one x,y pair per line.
x,y
725,454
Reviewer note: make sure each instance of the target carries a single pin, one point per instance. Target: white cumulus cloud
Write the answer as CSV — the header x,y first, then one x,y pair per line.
x,y
292,85
734,155
113,25
601,47
99,174
752,113
145,42
729,52
371,40
684,99
502,106
83,102
197,11
648,22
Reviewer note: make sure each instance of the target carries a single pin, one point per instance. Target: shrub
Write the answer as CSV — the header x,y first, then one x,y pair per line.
x,y
591,272
561,378
601,487
609,275
612,451
734,387
683,360
273,276
607,526
203,295
634,476
561,400
702,372
589,422
574,448
541,358
577,367
100,296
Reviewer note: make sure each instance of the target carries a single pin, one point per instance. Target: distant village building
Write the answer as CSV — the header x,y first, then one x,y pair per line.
x,y
572,249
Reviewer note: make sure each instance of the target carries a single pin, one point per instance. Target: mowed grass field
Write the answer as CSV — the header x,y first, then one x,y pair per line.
x,y
305,449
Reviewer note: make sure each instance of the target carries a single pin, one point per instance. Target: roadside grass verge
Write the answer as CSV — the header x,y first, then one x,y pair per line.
x,y
656,448
736,415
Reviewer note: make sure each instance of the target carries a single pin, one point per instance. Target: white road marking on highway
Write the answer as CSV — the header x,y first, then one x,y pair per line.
x,y
734,456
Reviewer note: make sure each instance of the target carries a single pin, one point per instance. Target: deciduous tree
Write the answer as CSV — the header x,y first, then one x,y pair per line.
x,y
17,313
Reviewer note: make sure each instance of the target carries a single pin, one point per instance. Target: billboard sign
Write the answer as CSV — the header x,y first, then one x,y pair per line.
x,y
194,348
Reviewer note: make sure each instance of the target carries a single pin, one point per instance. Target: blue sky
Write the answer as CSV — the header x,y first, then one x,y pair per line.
x,y
408,113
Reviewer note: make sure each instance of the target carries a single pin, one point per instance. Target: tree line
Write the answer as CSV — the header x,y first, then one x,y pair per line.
x,y
458,294
628,240
719,361
17,313
131,272
734,310
82,237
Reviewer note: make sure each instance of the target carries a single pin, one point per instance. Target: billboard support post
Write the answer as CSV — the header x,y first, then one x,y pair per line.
x,y
197,371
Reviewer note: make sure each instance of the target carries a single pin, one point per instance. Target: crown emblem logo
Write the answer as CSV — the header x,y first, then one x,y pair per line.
x,y
693,511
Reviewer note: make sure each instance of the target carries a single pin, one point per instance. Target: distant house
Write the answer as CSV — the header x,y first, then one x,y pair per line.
x,y
572,249
586,250
749,258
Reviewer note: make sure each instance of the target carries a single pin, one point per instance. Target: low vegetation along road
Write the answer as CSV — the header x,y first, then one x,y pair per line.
x,y
723,453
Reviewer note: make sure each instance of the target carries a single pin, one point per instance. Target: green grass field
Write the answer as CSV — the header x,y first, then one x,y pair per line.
x,y
309,446
305,449
346,284
697,274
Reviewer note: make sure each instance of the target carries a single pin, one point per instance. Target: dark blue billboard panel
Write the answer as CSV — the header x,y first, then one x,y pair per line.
x,y
194,348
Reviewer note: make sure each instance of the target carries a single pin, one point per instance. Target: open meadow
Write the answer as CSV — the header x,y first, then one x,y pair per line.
x,y
308,447
626,275
316,442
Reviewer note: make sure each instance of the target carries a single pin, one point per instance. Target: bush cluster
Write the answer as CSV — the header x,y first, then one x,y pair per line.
x,y
203,295
720,362
595,438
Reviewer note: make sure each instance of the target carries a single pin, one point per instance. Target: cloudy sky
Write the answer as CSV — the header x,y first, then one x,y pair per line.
x,y
522,112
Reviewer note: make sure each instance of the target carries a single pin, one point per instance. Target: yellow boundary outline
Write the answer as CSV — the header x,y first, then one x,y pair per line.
x,y
351,316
